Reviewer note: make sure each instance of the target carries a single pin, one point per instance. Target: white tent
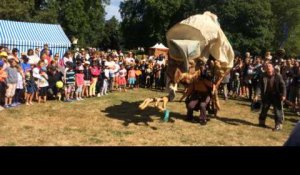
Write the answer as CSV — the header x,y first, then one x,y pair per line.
x,y
159,49
159,46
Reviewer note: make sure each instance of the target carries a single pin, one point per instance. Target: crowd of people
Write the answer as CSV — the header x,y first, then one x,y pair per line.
x,y
39,75
274,79
243,81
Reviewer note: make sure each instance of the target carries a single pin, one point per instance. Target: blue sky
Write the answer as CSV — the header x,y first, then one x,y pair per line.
x,y
113,9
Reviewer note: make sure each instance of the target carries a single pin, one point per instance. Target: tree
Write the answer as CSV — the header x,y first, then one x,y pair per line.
x,y
287,25
247,24
45,11
146,22
16,10
96,13
112,36
83,19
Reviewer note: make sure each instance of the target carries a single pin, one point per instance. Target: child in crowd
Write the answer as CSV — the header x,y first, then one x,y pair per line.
x,y
95,72
53,77
31,88
236,85
19,94
105,81
43,86
131,77
25,65
122,78
138,74
69,80
11,82
87,79
79,78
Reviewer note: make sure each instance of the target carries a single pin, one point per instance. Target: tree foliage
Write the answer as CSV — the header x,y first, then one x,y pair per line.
x,y
112,35
252,25
83,19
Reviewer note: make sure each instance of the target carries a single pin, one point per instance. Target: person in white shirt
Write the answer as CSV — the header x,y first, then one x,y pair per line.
x,y
33,58
115,71
111,66
67,58
43,86
161,60
105,81
129,59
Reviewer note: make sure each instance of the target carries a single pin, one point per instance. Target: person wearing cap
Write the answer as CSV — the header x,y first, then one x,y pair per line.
x,y
3,74
3,54
4,58
87,79
11,82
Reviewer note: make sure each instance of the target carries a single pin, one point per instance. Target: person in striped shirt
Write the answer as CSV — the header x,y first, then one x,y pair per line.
x,y
69,80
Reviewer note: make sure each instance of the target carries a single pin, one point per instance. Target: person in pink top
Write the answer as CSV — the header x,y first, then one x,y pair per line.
x,y
95,72
79,79
131,77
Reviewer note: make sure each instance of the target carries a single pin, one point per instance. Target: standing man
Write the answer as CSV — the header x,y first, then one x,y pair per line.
x,y
273,92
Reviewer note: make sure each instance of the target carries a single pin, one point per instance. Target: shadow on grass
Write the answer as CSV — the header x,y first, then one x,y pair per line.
x,y
236,122
129,113
243,104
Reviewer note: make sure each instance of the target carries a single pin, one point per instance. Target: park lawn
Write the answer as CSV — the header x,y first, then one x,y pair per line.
x,y
115,120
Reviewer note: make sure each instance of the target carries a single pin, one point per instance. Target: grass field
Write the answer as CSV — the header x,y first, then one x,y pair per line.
x,y
115,120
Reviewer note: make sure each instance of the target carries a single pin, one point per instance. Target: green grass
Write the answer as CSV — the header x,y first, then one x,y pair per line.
x,y
115,120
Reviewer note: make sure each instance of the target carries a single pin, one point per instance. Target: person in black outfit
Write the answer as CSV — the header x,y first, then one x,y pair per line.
x,y
273,92
53,77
